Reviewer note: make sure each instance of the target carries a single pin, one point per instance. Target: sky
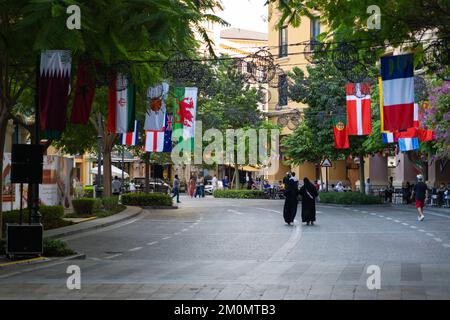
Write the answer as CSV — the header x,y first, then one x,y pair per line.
x,y
245,14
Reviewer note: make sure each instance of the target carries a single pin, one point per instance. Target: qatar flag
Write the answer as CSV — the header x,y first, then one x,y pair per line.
x,y
54,82
397,73
359,113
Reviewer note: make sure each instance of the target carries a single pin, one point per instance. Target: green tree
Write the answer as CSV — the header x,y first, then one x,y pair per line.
x,y
401,20
232,103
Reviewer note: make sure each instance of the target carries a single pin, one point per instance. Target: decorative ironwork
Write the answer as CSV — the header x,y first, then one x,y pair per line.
x,y
314,51
178,67
357,74
279,74
345,56
263,68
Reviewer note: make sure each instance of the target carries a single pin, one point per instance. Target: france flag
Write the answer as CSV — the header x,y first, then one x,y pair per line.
x,y
397,73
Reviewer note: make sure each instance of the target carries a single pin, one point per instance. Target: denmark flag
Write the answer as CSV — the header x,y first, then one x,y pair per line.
x,y
359,113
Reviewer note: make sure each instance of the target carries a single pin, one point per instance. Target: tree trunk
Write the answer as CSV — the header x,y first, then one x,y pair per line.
x,y
236,175
362,182
107,172
147,173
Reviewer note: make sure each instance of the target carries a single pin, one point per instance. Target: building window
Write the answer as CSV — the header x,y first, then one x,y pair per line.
x,y
315,28
283,42
282,90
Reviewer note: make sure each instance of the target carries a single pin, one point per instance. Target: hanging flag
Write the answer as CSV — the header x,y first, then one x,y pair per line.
x,y
416,122
121,105
425,135
160,140
408,133
389,137
84,93
408,144
156,111
54,82
168,134
131,138
397,74
185,107
359,113
340,134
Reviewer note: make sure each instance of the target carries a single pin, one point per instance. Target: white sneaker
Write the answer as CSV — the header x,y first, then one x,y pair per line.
x,y
421,218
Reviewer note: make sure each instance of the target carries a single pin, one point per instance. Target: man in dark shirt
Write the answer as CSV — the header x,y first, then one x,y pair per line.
x,y
421,194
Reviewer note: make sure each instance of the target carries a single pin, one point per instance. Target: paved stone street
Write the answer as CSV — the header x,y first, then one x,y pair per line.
x,y
241,249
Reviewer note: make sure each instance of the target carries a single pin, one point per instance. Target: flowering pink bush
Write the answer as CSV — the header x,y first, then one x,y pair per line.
x,y
437,117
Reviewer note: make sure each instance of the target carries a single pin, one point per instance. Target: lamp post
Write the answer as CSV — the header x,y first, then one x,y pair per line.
x,y
98,184
35,215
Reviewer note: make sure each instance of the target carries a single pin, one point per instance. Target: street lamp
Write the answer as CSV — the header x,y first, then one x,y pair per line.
x,y
98,184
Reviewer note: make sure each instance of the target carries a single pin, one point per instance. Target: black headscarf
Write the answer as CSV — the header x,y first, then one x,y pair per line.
x,y
308,185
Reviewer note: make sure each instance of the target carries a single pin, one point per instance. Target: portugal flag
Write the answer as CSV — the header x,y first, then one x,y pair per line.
x,y
121,105
359,114
340,134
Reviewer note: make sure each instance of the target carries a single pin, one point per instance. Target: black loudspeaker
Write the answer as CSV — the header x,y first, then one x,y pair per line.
x,y
27,163
25,239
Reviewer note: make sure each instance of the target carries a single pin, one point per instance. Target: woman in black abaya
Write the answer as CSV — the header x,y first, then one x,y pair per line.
x,y
291,201
309,194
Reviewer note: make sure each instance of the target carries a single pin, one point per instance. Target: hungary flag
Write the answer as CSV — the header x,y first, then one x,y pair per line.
x,y
184,110
340,134
121,105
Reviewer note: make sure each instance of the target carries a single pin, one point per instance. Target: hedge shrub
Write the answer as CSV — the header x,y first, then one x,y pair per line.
x,y
240,194
52,217
88,191
146,199
85,206
56,248
348,198
110,203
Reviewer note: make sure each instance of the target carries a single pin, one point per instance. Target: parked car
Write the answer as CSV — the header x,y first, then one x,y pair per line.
x,y
209,187
156,185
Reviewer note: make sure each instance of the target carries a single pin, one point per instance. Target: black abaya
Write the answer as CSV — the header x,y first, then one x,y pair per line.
x,y
291,202
308,203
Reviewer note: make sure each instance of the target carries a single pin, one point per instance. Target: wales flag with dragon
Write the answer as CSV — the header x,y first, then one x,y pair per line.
x,y
184,110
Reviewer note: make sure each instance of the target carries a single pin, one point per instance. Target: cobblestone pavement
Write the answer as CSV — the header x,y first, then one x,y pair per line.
x,y
241,249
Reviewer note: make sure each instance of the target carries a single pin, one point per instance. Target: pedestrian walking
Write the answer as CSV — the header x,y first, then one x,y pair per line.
x,y
367,186
116,186
191,187
215,183
225,183
132,187
389,190
176,188
309,194
291,200
420,193
249,182
199,183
